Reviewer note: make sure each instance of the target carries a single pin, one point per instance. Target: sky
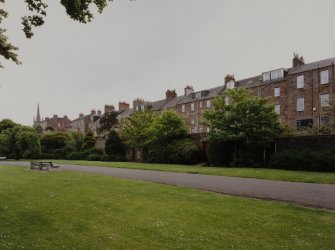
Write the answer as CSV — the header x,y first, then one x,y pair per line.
x,y
140,49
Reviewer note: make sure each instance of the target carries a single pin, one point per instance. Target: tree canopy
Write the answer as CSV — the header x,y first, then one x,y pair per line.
x,y
78,10
247,119
108,122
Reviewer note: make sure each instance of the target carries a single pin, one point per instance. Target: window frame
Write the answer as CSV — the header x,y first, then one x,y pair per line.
x,y
301,82
323,79
301,104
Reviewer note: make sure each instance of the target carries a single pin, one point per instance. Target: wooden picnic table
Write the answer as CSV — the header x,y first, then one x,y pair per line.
x,y
2,158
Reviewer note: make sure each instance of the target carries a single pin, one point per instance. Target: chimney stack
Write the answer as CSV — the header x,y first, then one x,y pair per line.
x,y
298,61
170,94
229,78
137,102
93,112
109,108
123,106
99,112
188,90
81,115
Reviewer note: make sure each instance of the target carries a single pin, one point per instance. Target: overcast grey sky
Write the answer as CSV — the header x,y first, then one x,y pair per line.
x,y
142,48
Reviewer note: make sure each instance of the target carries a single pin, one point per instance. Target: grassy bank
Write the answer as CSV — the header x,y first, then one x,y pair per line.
x,y
54,210
259,173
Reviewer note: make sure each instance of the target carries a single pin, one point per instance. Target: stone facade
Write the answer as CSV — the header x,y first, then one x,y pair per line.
x,y
301,94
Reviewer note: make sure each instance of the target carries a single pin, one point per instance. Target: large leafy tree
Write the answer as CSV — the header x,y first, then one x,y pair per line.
x,y
136,128
108,122
114,147
247,119
135,131
168,142
17,141
78,10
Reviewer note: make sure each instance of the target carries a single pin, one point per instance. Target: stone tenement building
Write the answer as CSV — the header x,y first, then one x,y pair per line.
x,y
301,94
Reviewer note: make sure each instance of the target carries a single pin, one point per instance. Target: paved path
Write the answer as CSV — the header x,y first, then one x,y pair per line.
x,y
307,194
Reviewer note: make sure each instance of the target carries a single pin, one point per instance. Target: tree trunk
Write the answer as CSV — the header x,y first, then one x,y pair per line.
x,y
264,156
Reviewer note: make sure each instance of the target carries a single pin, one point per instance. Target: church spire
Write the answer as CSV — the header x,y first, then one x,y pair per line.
x,y
38,116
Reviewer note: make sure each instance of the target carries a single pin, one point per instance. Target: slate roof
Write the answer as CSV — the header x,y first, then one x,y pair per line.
x,y
126,113
250,82
205,94
311,66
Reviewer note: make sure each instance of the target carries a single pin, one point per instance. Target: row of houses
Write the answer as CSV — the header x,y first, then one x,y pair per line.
x,y
301,94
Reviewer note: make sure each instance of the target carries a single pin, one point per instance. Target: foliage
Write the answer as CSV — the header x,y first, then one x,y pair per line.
x,y
94,157
28,142
6,124
17,141
136,129
89,140
306,160
247,119
167,127
75,140
114,146
78,10
77,156
167,140
219,153
51,141
108,122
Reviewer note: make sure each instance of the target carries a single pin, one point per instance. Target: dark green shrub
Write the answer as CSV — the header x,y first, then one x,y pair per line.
x,y
304,160
183,151
94,151
94,157
52,141
114,147
219,153
77,156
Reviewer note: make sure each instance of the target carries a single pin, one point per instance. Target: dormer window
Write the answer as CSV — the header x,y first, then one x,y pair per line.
x,y
273,75
266,77
277,74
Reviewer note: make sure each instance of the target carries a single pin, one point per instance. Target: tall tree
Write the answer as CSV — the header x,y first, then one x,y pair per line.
x,y
246,119
108,122
135,132
78,10
89,140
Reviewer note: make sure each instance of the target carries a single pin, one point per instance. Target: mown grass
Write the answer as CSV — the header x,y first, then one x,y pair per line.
x,y
65,210
259,173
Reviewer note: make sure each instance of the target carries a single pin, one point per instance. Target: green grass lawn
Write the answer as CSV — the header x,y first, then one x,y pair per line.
x,y
259,173
65,210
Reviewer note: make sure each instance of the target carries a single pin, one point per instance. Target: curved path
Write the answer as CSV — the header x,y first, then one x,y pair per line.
x,y
307,194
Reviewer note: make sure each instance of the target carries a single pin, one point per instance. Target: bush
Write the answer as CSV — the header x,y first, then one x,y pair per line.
x,y
304,160
77,156
219,153
94,151
94,157
114,147
183,151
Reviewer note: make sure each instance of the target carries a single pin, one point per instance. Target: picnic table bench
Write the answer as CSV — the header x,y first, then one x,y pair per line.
x,y
2,158
42,165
